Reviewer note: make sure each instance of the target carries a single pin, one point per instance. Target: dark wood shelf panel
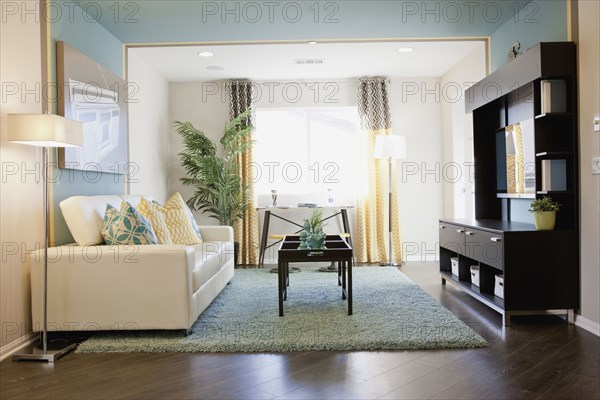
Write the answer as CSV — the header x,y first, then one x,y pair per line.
x,y
554,154
491,300
492,225
555,192
516,196
554,114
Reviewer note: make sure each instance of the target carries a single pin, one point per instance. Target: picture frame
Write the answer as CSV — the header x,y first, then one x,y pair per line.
x,y
89,92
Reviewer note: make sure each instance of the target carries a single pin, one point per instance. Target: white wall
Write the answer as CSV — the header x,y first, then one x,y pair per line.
x,y
418,116
149,127
208,113
206,106
589,105
21,194
458,134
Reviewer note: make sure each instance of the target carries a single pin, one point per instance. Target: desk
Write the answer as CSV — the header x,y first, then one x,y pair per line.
x,y
341,210
337,251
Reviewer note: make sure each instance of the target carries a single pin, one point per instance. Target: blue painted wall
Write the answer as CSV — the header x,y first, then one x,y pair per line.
x,y
160,21
185,20
80,31
538,21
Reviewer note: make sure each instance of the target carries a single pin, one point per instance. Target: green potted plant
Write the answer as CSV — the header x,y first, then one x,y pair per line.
x,y
544,211
215,174
313,236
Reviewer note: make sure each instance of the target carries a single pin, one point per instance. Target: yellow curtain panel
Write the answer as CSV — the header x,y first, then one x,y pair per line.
x,y
246,229
372,230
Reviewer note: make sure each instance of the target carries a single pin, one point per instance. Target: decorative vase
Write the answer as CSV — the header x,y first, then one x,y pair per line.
x,y
312,239
544,220
303,236
316,241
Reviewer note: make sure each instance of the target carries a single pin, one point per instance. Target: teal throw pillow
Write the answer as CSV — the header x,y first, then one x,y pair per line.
x,y
126,227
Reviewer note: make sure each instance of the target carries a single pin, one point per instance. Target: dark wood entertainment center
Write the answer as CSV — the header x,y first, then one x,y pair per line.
x,y
537,90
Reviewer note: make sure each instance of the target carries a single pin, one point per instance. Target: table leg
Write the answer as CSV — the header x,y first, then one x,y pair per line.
x,y
280,275
339,271
286,284
264,238
344,266
349,287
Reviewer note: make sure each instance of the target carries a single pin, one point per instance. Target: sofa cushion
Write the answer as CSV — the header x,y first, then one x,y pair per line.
x,y
134,199
209,259
126,227
84,216
178,221
156,216
195,226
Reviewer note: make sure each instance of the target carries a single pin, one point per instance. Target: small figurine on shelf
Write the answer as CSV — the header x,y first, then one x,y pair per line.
x,y
274,197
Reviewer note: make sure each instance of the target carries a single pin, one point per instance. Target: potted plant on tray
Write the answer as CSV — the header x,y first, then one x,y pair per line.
x,y
313,237
215,175
544,211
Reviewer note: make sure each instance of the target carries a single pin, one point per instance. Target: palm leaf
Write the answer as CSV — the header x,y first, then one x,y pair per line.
x,y
218,188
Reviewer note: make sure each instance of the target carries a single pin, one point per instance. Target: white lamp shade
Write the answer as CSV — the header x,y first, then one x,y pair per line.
x,y
44,130
390,146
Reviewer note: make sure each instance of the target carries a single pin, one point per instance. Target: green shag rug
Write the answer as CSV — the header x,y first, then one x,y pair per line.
x,y
390,313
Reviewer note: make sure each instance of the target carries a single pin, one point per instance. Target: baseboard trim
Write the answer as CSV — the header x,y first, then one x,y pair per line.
x,y
13,347
588,325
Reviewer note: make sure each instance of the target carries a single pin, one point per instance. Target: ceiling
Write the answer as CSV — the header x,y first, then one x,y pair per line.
x,y
278,61
198,21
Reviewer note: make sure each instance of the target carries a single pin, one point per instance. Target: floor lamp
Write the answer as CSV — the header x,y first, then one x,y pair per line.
x,y
44,130
392,147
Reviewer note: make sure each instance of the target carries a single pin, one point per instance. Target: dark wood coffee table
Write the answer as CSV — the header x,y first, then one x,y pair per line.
x,y
337,251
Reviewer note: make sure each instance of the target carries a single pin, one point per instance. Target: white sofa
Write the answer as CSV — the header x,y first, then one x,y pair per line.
x,y
95,287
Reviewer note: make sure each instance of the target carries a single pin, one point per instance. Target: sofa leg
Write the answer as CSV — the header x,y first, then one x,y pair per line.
x,y
186,332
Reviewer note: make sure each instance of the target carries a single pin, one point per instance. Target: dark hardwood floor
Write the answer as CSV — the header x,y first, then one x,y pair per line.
x,y
537,357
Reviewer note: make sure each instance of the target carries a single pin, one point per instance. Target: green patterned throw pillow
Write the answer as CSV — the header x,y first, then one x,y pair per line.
x,y
126,227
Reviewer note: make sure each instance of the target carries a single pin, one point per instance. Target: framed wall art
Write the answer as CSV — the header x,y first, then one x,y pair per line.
x,y
91,93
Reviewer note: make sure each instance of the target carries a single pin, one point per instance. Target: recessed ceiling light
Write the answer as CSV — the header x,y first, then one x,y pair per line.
x,y
406,50
215,68
206,54
312,42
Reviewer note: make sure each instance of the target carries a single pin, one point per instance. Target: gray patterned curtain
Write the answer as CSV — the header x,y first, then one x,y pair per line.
x,y
372,231
373,104
246,229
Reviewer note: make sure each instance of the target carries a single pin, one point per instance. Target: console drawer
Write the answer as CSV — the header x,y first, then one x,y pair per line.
x,y
452,237
485,247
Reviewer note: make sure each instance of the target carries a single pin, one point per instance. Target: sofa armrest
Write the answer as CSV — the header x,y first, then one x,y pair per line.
x,y
217,233
115,287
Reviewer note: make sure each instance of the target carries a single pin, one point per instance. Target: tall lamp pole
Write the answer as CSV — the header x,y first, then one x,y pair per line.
x,y
44,130
390,147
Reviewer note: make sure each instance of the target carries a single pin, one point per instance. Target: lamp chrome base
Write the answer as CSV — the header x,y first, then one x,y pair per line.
x,y
388,264
37,354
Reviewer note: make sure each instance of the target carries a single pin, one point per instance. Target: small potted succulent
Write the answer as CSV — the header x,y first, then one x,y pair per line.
x,y
544,211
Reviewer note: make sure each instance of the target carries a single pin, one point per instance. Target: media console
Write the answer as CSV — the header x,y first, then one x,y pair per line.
x,y
525,139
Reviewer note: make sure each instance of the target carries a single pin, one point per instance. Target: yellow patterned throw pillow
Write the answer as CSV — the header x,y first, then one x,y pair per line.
x,y
156,215
178,221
